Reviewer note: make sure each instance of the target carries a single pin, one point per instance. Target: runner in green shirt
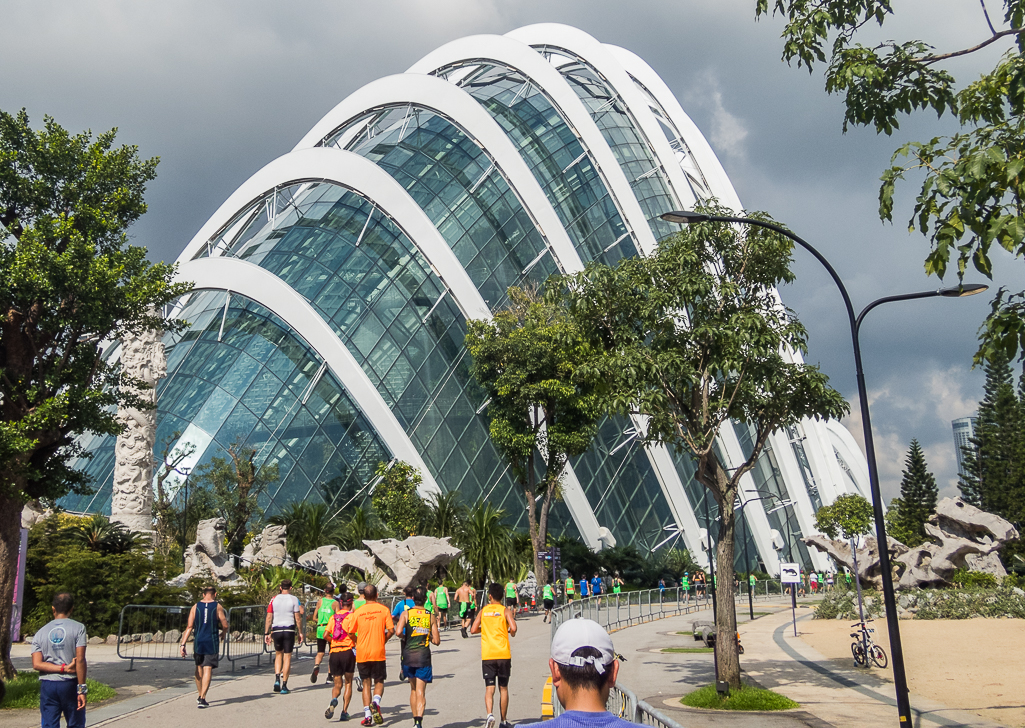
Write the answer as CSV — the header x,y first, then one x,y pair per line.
x,y
571,587
548,600
512,599
441,600
685,585
617,585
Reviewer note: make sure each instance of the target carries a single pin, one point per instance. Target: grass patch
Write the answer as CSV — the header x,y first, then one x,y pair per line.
x,y
23,691
689,634
747,698
686,650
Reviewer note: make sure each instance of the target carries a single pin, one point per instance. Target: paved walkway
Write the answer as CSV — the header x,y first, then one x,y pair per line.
x,y
160,694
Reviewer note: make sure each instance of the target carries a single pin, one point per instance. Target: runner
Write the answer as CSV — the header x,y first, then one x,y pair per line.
x,y
829,581
570,588
58,655
597,587
583,586
685,585
400,607
342,661
617,584
466,595
495,624
548,598
813,582
418,630
360,600
373,626
204,619
284,627
326,606
584,669
699,584
441,602
512,597
752,582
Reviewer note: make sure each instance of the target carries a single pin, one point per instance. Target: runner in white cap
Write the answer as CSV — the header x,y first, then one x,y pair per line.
x,y
584,669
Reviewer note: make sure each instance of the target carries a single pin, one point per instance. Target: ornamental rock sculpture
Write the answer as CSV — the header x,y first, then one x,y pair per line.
x,y
269,547
332,560
207,559
868,571
963,537
411,561
142,358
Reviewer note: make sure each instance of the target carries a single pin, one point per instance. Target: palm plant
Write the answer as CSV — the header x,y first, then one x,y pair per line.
x,y
310,526
362,525
445,515
97,533
487,544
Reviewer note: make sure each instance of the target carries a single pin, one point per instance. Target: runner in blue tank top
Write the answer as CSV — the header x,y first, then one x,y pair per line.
x,y
209,623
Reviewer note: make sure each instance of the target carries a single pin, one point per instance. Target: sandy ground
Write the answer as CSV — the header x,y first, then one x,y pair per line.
x,y
976,665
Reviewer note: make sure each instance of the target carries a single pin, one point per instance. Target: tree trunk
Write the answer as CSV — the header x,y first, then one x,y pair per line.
x,y
10,537
541,543
726,613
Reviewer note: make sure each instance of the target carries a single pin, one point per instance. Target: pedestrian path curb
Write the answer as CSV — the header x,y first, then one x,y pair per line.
x,y
547,709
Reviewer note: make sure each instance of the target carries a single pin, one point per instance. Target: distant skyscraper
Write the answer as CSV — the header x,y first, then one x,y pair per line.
x,y
964,430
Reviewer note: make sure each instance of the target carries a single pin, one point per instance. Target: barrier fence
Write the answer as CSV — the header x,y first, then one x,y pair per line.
x,y
245,634
623,703
147,632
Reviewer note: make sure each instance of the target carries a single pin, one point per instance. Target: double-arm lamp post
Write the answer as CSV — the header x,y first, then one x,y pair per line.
x,y
899,675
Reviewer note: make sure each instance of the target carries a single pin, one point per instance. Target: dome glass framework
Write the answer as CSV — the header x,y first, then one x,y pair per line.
x,y
332,291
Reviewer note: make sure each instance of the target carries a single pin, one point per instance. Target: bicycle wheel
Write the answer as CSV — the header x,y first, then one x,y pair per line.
x,y
859,654
878,655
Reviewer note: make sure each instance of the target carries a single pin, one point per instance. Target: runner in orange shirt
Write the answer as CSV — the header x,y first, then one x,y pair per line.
x,y
495,624
373,626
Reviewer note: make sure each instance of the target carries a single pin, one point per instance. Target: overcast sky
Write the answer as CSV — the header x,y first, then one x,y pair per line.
x,y
218,89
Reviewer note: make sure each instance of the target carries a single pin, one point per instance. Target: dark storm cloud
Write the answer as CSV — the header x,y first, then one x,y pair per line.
x,y
218,89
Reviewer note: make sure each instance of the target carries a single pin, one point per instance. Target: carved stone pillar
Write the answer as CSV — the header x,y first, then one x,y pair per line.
x,y
142,357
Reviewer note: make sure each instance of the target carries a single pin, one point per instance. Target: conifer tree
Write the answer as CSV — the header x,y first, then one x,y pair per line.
x,y
908,514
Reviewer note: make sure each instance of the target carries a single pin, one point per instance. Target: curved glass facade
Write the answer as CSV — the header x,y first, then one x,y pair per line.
x,y
243,373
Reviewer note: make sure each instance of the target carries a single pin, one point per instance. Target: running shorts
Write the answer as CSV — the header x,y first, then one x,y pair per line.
x,y
471,613
321,646
496,671
205,660
549,604
424,673
510,601
284,639
342,663
376,671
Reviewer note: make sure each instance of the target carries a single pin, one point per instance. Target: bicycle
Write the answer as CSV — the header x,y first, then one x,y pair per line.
x,y
863,645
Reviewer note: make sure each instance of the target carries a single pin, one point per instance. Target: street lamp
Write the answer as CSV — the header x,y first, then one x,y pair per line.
x,y
899,675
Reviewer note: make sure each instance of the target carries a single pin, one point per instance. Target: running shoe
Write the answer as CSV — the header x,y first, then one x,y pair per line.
x,y
357,681
277,683
284,689
329,713
375,710
199,702
367,721
315,674
505,724
343,716
203,703
490,722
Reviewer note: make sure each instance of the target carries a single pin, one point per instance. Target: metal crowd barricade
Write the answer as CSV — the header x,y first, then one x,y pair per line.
x,y
245,634
623,703
148,632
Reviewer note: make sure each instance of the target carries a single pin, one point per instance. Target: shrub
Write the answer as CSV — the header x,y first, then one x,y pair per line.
x,y
844,605
747,698
973,579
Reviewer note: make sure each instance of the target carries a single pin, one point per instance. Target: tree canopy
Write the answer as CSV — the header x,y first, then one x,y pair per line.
x,y
907,515
972,182
694,336
849,516
69,284
396,500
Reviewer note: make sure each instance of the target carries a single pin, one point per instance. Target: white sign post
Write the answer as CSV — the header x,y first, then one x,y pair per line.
x,y
791,574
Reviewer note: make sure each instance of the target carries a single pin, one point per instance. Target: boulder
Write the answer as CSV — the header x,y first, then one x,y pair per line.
x,y
412,560
206,559
528,587
332,560
96,640
172,635
111,639
158,636
868,571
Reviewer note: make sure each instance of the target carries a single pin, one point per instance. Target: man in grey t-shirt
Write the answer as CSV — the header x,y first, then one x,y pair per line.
x,y
58,654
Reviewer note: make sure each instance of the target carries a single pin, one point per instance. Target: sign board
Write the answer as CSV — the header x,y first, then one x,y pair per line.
x,y
790,573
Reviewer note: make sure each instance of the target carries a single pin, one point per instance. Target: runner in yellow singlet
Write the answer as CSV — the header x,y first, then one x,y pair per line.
x,y
495,624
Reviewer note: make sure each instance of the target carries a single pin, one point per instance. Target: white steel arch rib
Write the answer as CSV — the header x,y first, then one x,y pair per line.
x,y
462,110
557,35
361,175
260,285
526,60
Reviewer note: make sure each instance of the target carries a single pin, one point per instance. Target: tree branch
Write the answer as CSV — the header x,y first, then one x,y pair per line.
x,y
988,21
954,54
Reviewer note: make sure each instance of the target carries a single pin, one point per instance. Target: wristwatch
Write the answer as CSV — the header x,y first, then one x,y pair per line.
x,y
83,689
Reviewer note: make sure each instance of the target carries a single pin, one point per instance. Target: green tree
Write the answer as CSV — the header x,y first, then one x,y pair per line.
x,y
692,337
445,514
527,360
361,525
397,500
487,544
972,182
235,485
994,469
69,281
848,517
309,525
907,515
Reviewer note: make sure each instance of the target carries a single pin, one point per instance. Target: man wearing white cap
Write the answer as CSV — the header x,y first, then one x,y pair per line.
x,y
584,669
